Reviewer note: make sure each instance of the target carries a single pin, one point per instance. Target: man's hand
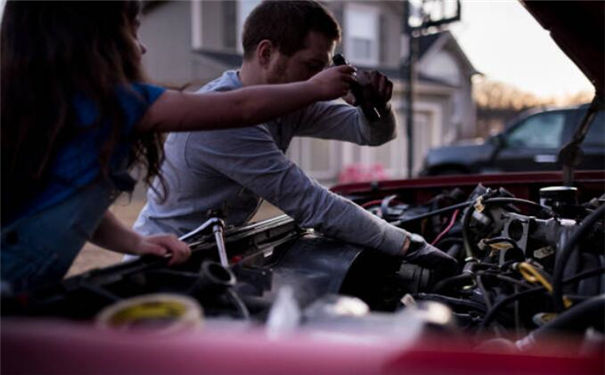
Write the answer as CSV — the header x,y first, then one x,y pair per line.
x,y
377,89
419,252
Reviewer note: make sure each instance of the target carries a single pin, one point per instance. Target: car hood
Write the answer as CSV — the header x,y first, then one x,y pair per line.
x,y
582,44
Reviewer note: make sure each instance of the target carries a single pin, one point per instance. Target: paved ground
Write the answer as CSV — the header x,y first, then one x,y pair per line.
x,y
95,257
127,210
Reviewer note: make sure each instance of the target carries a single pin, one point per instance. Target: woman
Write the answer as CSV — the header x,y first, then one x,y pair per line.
x,y
76,115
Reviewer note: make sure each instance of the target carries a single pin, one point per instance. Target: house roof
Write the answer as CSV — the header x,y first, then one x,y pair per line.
x,y
432,43
425,42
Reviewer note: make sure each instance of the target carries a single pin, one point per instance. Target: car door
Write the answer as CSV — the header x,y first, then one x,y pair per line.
x,y
533,144
594,144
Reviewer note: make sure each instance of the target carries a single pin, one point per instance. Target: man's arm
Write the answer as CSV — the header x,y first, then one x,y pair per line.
x,y
251,158
341,121
347,123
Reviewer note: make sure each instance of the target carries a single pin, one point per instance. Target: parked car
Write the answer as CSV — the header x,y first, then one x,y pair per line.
x,y
530,143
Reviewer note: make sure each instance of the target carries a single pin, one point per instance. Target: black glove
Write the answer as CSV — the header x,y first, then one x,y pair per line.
x,y
428,256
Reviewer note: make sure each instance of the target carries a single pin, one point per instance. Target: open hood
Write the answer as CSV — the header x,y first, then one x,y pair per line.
x,y
578,28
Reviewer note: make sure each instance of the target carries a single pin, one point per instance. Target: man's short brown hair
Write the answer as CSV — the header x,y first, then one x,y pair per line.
x,y
286,24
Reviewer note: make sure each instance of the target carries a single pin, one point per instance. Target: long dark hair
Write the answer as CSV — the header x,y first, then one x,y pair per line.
x,y
51,51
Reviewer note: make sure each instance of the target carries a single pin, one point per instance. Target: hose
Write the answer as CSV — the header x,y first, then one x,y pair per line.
x,y
492,312
445,283
526,202
565,253
484,292
239,305
451,301
503,278
576,319
432,213
447,229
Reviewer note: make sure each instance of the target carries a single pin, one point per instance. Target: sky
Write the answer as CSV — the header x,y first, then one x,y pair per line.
x,y
504,42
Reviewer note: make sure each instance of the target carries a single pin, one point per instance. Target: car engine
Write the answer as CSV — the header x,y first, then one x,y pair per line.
x,y
528,270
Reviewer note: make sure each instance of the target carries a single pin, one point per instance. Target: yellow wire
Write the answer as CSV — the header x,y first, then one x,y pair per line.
x,y
531,274
500,246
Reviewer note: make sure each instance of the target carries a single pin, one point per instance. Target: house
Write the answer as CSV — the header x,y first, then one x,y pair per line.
x,y
193,42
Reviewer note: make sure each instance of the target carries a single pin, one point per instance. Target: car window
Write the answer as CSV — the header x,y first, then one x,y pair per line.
x,y
540,131
596,132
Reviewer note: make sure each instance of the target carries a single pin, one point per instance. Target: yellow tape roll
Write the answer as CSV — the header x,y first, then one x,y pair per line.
x,y
154,313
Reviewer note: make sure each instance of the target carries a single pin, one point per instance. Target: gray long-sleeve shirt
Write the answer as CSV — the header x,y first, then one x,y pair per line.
x,y
233,169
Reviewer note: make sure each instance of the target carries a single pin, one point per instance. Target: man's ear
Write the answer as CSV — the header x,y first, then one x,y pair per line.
x,y
264,51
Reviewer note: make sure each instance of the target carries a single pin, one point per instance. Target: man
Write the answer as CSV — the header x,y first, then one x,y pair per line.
x,y
231,170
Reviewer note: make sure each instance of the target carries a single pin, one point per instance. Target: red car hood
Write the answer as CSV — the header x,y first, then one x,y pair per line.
x,y
523,185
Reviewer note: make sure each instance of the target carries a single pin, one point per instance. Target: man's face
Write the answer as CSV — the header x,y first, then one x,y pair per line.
x,y
304,63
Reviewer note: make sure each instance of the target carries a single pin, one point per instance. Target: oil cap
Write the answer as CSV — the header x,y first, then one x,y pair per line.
x,y
563,200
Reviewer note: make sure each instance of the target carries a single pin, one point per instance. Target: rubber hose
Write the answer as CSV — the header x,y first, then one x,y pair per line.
x,y
563,256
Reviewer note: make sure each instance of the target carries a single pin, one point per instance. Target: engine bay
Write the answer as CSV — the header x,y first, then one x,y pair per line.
x,y
530,254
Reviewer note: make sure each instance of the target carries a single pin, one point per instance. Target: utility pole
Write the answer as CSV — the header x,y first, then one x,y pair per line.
x,y
409,93
421,17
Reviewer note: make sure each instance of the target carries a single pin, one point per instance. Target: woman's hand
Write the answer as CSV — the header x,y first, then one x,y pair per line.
x,y
333,82
112,234
163,245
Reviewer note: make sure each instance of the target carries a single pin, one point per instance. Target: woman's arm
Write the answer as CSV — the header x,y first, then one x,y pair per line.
x,y
113,235
181,111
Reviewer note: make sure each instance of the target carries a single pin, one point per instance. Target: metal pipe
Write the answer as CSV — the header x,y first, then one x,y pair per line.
x,y
219,231
201,228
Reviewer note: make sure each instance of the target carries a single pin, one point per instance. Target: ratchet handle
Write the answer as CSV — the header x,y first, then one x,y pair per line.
x,y
369,110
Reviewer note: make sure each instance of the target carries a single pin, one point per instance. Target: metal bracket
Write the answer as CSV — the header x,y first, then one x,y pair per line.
x,y
218,229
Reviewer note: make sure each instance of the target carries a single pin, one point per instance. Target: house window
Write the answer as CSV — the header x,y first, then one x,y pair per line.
x,y
229,34
362,34
218,25
196,24
244,8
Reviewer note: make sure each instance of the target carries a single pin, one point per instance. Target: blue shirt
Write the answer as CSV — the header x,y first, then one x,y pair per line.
x,y
77,164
